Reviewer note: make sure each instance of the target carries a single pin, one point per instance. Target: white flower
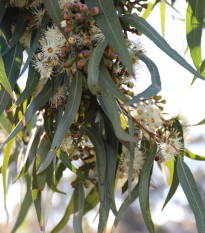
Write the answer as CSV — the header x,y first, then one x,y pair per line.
x,y
42,67
63,24
97,38
58,97
38,13
53,34
62,4
35,3
50,50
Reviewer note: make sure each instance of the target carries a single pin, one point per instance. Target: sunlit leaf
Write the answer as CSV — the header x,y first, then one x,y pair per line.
x,y
194,26
191,155
162,13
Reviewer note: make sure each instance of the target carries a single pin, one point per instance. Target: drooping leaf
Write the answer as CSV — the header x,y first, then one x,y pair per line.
x,y
100,152
144,188
40,100
7,153
20,28
126,203
149,9
200,123
4,80
162,13
79,197
91,200
35,42
93,66
64,158
4,123
27,201
174,185
111,109
155,87
70,112
2,10
12,64
55,13
32,81
190,189
109,23
106,81
69,210
144,27
194,26
191,155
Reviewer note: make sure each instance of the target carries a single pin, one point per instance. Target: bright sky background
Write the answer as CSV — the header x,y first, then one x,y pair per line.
x,y
175,89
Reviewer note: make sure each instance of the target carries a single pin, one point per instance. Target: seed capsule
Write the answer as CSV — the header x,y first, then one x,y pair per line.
x,y
94,11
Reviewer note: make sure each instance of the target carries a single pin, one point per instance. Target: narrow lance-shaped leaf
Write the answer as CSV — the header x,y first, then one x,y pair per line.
x,y
155,87
144,27
100,152
91,200
93,66
12,62
27,201
191,155
174,185
2,10
144,187
40,100
7,153
194,26
79,197
162,13
69,210
71,110
109,23
106,81
4,80
111,109
149,9
190,189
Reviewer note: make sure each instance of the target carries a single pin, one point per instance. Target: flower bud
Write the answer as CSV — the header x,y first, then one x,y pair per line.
x,y
71,40
83,8
78,4
94,11
78,16
63,24
66,15
81,63
69,5
69,22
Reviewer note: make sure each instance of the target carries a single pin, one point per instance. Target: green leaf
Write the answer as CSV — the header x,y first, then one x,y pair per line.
x,y
20,28
149,9
155,87
39,101
190,189
31,83
4,123
91,200
36,196
109,23
27,201
55,13
153,35
69,210
7,153
64,158
111,109
97,141
162,13
126,203
144,187
71,110
107,82
194,26
79,197
174,185
200,123
4,80
191,155
12,61
34,46
93,66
